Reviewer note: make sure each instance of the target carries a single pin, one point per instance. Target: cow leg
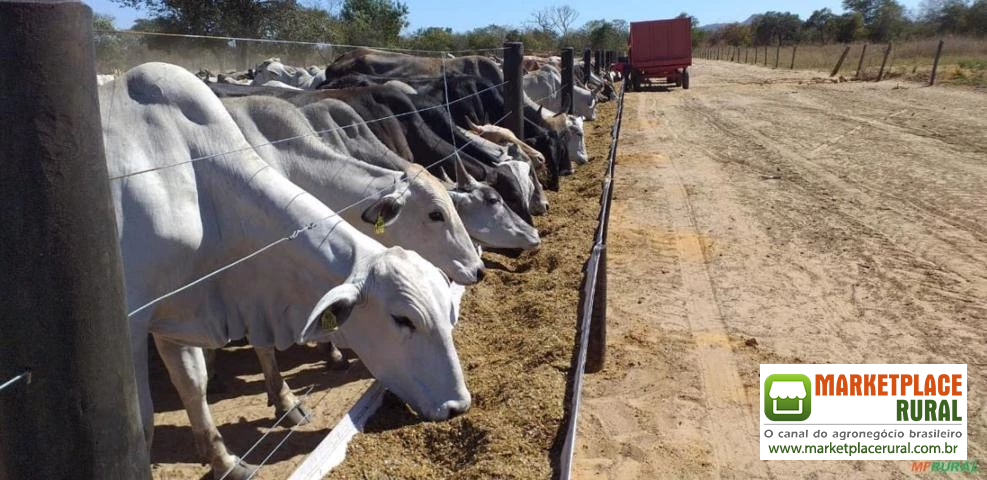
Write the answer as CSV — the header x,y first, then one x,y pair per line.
x,y
187,369
335,360
216,384
139,350
278,393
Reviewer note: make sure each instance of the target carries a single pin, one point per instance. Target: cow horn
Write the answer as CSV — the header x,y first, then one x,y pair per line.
x,y
463,179
445,177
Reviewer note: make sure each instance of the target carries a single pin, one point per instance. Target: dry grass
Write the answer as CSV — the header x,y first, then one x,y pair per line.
x,y
963,61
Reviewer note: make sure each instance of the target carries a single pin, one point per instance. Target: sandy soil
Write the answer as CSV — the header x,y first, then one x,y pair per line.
x,y
244,417
773,217
515,340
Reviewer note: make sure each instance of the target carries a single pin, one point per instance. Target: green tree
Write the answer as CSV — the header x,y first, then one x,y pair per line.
x,y
373,22
236,18
888,21
850,27
774,27
977,18
433,38
822,26
698,35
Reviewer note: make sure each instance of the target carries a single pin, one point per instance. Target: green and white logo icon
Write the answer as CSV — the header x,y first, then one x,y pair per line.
x,y
787,397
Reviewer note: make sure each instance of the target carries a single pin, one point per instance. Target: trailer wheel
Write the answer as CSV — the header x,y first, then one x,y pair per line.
x,y
685,79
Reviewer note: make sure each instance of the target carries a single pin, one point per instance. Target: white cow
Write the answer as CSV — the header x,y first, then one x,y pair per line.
x,y
515,164
413,210
544,87
570,127
273,69
183,218
487,218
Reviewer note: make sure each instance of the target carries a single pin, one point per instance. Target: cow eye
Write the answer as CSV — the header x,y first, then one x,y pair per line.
x,y
436,216
491,200
404,322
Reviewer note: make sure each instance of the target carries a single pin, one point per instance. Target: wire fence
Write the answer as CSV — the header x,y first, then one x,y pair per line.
x,y
962,60
25,375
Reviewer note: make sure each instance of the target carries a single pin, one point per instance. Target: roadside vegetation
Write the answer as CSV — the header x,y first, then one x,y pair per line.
x,y
821,38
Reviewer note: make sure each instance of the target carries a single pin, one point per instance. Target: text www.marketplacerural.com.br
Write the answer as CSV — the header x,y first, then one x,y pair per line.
x,y
850,449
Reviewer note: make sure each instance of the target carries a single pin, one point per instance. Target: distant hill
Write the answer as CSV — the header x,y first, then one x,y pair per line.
x,y
716,26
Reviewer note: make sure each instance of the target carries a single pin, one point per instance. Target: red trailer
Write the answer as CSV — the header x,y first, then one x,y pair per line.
x,y
659,51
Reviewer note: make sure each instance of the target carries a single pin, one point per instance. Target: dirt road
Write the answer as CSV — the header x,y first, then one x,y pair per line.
x,y
768,217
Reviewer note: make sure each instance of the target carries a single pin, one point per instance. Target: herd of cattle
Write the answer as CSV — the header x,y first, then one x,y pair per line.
x,y
339,206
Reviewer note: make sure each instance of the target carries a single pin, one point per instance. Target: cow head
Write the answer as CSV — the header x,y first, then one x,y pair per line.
x,y
418,213
488,219
397,316
530,186
575,139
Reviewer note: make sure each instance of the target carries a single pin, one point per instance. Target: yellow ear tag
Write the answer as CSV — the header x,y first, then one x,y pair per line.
x,y
379,225
328,321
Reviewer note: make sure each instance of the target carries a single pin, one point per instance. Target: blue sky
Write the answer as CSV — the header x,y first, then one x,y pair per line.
x,y
466,15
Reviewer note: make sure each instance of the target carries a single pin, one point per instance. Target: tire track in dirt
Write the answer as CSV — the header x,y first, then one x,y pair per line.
x,y
940,242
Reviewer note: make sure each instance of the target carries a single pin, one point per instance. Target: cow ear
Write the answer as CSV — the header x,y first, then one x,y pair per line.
x,y
513,151
384,211
330,312
540,108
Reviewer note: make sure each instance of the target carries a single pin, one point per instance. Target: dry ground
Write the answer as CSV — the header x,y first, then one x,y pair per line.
x,y
515,341
766,217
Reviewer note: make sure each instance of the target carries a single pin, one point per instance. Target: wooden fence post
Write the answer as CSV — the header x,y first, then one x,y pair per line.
x,y
935,64
839,63
755,55
587,66
513,93
62,310
884,62
860,64
765,55
778,54
568,79
596,58
794,49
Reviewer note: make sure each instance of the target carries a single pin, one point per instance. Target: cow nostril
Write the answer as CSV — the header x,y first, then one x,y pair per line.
x,y
480,274
457,409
